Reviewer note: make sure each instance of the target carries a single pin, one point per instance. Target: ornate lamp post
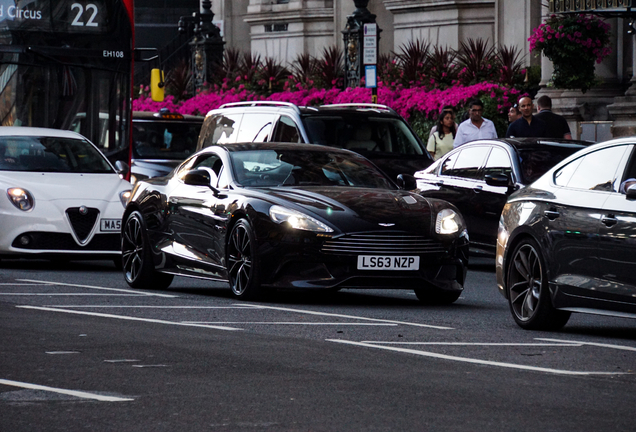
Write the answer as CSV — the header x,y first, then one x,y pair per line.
x,y
356,54
206,45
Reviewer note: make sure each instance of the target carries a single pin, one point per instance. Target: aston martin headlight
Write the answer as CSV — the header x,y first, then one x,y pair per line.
x,y
297,220
124,196
21,198
448,222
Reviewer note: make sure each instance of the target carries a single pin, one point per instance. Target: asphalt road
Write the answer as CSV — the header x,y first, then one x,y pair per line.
x,y
81,351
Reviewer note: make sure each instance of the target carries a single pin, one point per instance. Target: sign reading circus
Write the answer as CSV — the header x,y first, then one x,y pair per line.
x,y
587,5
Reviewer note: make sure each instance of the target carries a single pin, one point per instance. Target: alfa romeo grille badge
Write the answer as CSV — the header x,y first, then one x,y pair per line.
x,y
83,210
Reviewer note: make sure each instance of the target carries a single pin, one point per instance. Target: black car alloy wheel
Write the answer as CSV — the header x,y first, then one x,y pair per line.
x,y
243,262
136,256
528,292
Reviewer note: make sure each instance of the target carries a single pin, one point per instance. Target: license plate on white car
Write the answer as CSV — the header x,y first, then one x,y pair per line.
x,y
106,225
382,262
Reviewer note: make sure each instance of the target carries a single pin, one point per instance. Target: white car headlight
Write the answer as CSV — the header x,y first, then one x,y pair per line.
x,y
297,219
448,222
124,196
21,198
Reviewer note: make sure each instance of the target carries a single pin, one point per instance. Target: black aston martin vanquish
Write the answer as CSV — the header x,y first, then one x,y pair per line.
x,y
266,216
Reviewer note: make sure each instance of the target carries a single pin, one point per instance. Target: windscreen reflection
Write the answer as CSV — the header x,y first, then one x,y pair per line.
x,y
267,168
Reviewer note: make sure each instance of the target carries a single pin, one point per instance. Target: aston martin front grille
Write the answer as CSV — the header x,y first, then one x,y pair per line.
x,y
82,223
381,243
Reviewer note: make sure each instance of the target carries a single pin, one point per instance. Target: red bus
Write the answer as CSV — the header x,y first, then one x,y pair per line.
x,y
67,64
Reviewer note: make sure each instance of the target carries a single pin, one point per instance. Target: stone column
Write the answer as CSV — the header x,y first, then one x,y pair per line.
x,y
623,110
577,106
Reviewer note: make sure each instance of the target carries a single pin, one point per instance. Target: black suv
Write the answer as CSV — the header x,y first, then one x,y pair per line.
x,y
375,131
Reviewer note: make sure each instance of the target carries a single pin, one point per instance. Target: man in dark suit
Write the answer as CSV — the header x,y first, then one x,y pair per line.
x,y
557,125
528,125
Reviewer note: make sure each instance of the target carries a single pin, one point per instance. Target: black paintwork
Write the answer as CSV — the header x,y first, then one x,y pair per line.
x,y
587,238
481,203
187,226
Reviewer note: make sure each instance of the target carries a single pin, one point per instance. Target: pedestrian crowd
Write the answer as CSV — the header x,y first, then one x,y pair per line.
x,y
447,134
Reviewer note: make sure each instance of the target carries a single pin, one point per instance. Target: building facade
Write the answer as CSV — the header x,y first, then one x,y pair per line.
x,y
283,29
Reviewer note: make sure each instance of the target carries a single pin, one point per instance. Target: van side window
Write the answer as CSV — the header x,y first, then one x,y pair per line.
x,y
256,127
219,129
287,131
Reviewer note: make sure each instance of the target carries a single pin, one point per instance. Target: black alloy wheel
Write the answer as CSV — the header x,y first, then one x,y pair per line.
x,y
242,262
528,292
138,268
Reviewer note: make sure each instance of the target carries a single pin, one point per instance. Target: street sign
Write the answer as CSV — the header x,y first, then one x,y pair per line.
x,y
370,76
370,30
370,56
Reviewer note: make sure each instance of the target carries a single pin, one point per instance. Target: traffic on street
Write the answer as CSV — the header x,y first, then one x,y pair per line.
x,y
81,347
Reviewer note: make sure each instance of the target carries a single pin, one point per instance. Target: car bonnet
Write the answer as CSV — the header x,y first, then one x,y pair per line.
x,y
64,186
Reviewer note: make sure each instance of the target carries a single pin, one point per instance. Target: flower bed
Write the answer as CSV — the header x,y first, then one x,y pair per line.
x,y
418,105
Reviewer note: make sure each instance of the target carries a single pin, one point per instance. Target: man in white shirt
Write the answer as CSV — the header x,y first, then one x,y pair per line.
x,y
476,127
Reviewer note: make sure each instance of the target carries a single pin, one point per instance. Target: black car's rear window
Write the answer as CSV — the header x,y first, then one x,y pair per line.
x,y
362,133
536,161
165,140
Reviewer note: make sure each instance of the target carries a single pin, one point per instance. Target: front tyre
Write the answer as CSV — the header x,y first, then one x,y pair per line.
x,y
138,268
528,293
242,261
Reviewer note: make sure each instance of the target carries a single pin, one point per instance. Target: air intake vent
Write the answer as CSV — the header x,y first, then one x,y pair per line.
x,y
82,223
381,243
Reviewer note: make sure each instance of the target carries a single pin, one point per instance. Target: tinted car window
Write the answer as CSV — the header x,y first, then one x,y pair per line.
x,y
156,139
449,163
49,154
267,168
378,134
286,131
469,162
595,171
498,162
256,127
535,162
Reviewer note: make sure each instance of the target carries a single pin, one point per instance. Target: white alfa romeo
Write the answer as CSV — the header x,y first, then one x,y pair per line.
x,y
60,196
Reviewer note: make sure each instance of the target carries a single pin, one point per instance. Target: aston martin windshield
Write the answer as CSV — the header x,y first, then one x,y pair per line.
x,y
267,168
50,154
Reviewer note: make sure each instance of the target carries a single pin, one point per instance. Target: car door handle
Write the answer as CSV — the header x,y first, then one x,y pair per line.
x,y
551,214
609,220
439,183
478,189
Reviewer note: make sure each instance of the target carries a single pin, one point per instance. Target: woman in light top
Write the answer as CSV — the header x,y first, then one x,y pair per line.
x,y
441,141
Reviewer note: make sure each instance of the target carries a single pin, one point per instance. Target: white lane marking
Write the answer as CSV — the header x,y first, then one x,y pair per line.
x,y
79,394
296,323
124,317
72,294
99,288
121,361
618,347
62,352
561,344
349,317
475,361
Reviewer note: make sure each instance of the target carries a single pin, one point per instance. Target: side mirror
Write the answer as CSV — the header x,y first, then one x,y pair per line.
x,y
198,177
122,168
499,180
406,182
631,192
202,177
157,85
